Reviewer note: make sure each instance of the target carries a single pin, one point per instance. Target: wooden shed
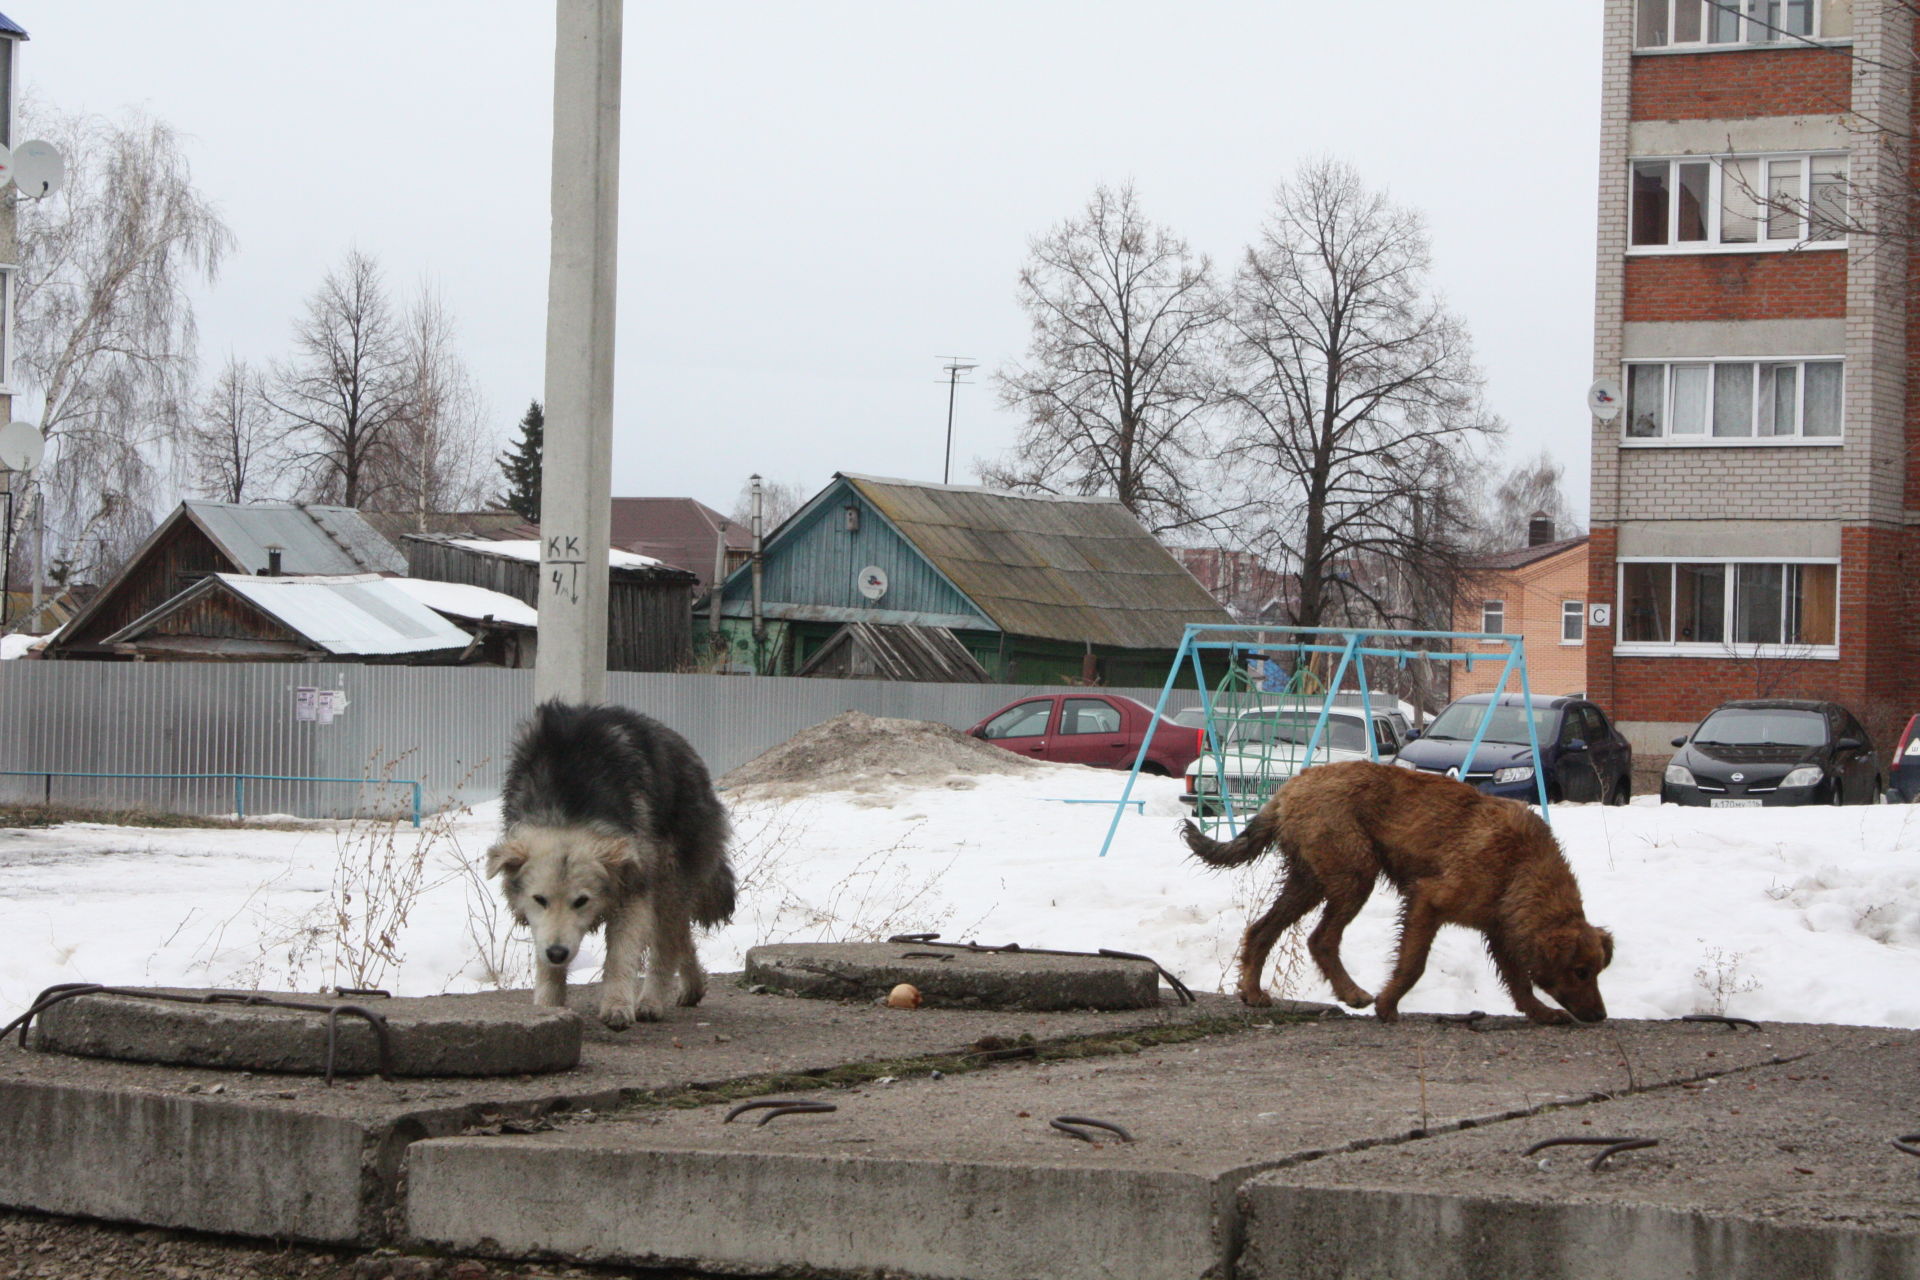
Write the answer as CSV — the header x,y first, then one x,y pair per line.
x,y
202,538
649,604
249,618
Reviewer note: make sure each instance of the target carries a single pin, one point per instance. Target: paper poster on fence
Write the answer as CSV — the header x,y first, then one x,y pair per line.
x,y
306,703
329,703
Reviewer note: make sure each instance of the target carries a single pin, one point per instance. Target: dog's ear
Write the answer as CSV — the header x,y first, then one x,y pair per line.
x,y
506,857
622,861
1606,946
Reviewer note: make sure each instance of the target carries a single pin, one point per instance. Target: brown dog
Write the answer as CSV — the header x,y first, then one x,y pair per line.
x,y
1456,856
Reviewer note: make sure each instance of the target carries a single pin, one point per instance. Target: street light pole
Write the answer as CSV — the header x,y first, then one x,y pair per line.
x,y
955,366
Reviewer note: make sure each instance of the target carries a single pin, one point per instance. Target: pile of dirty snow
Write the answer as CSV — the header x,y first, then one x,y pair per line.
x,y
858,752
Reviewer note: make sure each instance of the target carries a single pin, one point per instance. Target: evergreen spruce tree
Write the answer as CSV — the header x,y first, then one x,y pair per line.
x,y
521,466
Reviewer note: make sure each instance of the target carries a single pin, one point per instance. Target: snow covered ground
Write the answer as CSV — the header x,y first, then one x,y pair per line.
x,y
1792,915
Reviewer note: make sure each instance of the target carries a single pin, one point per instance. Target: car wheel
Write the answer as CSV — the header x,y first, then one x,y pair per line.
x,y
1882,793
1837,796
1153,770
1622,790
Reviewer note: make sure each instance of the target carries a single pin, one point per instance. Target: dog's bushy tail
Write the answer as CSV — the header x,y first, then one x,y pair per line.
x,y
713,897
1254,839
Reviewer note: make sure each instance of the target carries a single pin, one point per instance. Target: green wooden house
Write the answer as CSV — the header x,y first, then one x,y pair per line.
x,y
1037,590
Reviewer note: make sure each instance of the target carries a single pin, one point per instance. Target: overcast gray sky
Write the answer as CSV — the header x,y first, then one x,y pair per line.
x,y
820,200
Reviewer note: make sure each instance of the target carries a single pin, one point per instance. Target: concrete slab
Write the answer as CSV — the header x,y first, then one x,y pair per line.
x,y
428,1036
283,1156
1780,1171
963,1177
955,978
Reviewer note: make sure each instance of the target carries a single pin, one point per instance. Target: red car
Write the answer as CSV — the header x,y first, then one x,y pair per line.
x,y
1102,729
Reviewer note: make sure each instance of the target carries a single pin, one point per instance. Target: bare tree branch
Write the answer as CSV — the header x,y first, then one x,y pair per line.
x,y
1356,406
105,331
1120,369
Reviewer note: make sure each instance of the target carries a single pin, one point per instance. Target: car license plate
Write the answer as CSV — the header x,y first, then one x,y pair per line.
x,y
1729,803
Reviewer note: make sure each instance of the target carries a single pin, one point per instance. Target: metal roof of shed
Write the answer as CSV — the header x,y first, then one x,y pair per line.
x,y
311,538
1075,569
8,27
343,614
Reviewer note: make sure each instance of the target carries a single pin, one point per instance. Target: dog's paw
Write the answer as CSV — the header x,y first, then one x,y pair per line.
x,y
1387,1012
690,997
1358,1000
1255,998
616,1016
648,1011
1551,1017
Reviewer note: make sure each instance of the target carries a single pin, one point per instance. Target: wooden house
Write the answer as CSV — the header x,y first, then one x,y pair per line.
x,y
1034,589
649,604
202,538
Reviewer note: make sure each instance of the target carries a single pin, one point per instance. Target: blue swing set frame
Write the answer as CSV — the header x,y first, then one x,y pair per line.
x,y
1353,647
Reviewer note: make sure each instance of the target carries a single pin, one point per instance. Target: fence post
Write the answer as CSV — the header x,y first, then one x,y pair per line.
x,y
239,795
416,806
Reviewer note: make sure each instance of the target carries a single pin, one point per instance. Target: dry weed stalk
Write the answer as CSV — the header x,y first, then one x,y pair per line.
x,y
883,893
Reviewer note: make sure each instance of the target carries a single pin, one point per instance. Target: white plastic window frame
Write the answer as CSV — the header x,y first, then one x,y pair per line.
x,y
1493,619
1573,618
1720,648
1767,162
1706,439
1757,27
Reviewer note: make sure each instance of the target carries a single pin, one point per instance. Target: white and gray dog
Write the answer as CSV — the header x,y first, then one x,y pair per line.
x,y
610,818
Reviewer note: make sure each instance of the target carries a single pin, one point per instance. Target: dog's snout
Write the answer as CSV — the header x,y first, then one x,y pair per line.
x,y
557,954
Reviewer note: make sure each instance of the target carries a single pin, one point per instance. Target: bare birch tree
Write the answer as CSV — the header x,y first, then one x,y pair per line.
x,y
346,395
232,440
104,335
442,454
1534,487
1120,367
1356,402
778,500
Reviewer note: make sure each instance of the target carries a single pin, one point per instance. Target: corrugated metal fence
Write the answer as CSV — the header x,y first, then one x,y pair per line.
x,y
448,727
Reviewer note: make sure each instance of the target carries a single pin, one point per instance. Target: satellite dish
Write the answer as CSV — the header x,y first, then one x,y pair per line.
x,y
6,164
39,169
1604,399
21,447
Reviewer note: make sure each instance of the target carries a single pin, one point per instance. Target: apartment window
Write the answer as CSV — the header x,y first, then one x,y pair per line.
x,y
1660,24
1493,617
1733,401
1722,606
1573,621
1695,204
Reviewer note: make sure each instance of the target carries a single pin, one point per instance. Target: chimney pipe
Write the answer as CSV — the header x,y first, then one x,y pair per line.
x,y
273,563
714,638
1539,529
759,565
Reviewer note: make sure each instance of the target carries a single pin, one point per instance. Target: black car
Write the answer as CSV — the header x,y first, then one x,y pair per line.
x,y
1775,751
1585,757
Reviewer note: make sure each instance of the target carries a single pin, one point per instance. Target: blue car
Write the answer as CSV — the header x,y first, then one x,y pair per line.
x,y
1585,757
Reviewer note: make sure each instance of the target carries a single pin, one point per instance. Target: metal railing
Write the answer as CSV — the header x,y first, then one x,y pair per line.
x,y
239,781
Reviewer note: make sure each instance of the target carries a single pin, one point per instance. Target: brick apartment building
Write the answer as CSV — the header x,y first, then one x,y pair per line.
x,y
1754,506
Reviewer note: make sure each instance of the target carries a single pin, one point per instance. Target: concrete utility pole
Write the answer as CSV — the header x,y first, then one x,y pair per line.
x,y
577,456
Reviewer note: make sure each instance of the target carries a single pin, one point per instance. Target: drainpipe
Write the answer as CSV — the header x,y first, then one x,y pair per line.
x,y
759,569
719,574
39,542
